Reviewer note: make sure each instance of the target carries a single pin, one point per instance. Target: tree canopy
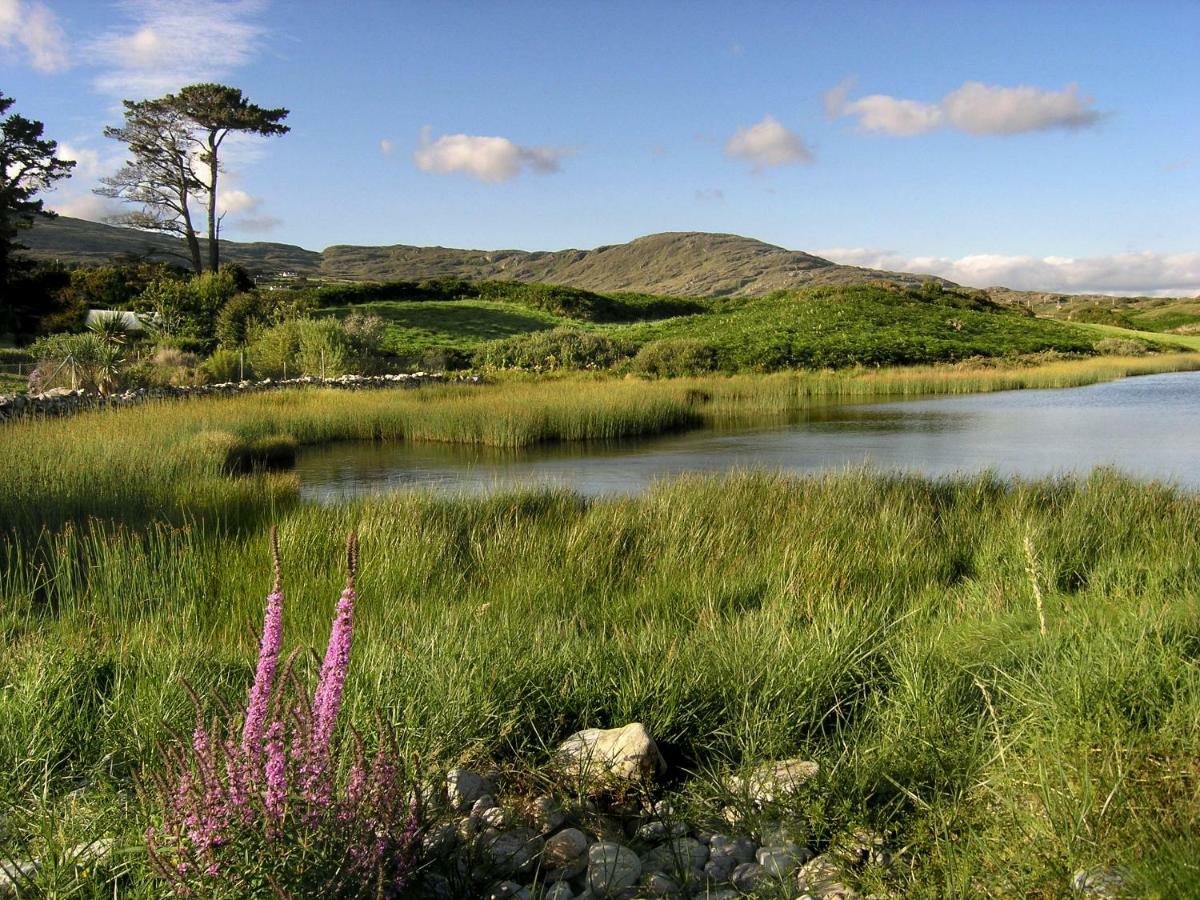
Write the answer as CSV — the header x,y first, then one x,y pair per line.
x,y
27,167
175,142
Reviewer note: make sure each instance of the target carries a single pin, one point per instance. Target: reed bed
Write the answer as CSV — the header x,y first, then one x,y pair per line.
x,y
885,626
1000,675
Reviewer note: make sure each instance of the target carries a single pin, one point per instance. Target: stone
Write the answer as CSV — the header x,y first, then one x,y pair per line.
x,y
749,876
653,832
493,817
679,855
15,877
464,787
440,839
740,848
507,889
719,869
773,781
546,814
821,877
783,860
560,890
721,894
611,868
1101,882
515,850
863,846
91,853
605,754
565,854
656,884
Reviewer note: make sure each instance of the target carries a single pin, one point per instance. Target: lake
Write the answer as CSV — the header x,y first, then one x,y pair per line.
x,y
1148,427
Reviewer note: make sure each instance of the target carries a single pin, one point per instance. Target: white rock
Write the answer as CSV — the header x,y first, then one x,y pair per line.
x,y
560,890
464,787
515,850
565,854
623,754
774,781
611,868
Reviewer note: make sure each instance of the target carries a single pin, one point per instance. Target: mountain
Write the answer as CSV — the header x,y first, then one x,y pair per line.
x,y
680,263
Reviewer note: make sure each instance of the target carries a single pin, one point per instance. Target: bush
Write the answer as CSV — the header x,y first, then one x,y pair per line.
x,y
560,348
225,365
301,347
1121,347
675,358
324,349
77,361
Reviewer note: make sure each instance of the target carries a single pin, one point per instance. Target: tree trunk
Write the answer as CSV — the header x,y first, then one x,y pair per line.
x,y
189,235
214,252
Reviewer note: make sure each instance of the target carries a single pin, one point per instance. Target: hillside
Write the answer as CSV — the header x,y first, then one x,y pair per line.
x,y
678,263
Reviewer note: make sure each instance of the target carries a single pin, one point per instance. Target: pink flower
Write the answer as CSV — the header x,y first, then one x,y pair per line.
x,y
264,677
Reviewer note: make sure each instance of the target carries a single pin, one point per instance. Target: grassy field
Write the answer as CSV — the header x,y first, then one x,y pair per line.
x,y
887,627
836,326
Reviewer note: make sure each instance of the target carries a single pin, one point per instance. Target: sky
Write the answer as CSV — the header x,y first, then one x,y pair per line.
x,y
1046,145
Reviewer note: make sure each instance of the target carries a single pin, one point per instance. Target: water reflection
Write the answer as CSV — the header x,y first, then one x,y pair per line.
x,y
1149,427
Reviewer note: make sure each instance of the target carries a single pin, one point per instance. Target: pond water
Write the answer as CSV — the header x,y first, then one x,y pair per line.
x,y
1148,427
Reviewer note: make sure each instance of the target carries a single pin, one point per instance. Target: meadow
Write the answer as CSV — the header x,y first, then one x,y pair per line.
x,y
834,326
1004,678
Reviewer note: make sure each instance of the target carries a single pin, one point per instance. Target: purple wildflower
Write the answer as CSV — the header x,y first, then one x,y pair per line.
x,y
276,772
268,661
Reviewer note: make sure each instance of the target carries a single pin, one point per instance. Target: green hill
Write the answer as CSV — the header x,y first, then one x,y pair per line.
x,y
678,263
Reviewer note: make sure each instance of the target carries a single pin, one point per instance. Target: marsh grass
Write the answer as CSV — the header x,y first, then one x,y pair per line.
x,y
885,626
882,625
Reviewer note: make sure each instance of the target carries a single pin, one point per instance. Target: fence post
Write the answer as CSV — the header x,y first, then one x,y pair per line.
x,y
322,365
241,365
74,384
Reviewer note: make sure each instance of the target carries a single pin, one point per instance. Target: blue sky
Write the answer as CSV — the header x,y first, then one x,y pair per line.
x,y
1047,144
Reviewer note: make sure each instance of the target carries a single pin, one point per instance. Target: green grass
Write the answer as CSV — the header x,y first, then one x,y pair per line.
x,y
860,325
13,384
415,328
884,626
823,327
1158,339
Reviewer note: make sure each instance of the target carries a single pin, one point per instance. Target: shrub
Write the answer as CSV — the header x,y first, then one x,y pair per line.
x,y
560,348
301,347
1121,347
255,805
675,358
85,361
323,347
225,365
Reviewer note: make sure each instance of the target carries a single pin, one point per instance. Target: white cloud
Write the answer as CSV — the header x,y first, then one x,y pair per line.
x,y
235,201
768,143
87,161
169,44
88,206
255,224
974,108
387,146
887,115
985,109
491,159
36,28
1145,272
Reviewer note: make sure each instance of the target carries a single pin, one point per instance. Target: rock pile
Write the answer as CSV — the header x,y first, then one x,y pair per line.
x,y
609,846
62,402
